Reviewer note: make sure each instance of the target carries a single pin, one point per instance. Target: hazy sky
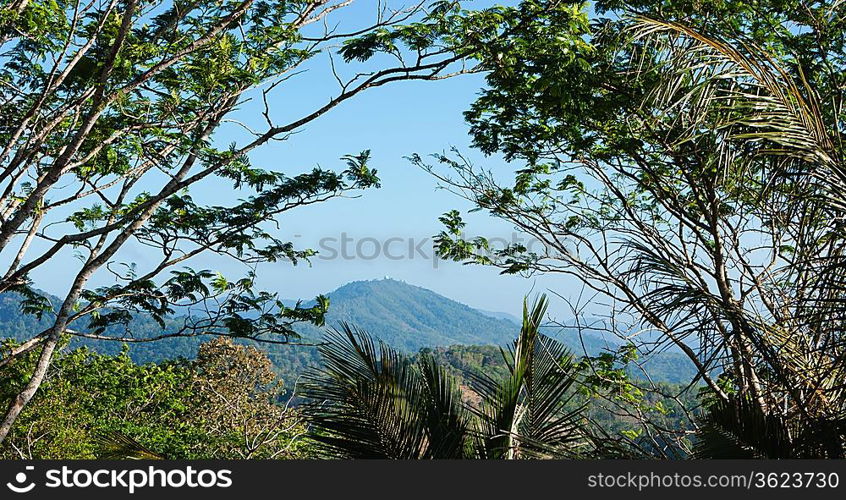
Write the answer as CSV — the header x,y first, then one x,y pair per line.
x,y
393,121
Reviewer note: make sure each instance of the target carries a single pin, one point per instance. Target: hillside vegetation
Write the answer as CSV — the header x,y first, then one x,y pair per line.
x,y
404,316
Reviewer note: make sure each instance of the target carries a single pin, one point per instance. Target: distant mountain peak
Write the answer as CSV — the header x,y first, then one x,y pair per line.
x,y
410,317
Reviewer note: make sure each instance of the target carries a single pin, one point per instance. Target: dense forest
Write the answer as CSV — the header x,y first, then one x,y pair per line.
x,y
681,162
148,401
230,401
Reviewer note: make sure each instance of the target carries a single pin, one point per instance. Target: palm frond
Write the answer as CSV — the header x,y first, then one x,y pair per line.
x,y
118,446
447,420
369,401
739,429
709,85
772,103
531,413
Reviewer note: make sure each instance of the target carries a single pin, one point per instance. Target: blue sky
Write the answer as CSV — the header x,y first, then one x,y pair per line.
x,y
393,121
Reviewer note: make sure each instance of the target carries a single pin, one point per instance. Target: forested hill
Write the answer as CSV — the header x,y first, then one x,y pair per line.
x,y
409,317
405,316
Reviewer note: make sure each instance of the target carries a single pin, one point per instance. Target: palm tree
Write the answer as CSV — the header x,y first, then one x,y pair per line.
x,y
526,414
369,401
772,124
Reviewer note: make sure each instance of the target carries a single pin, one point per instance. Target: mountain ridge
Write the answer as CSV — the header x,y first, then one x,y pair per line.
x,y
405,316
410,317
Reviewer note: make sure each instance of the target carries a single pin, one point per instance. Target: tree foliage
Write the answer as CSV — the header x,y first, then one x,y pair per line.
x,y
683,161
225,404
114,113
369,401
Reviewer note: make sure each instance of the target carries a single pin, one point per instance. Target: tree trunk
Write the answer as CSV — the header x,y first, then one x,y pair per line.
x,y
20,401
46,357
